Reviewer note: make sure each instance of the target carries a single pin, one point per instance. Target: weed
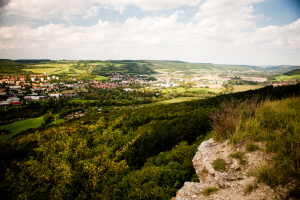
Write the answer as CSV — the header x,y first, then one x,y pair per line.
x,y
219,164
249,188
240,156
209,190
266,173
276,123
251,147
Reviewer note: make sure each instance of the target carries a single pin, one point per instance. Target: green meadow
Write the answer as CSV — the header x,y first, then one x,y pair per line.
x,y
288,78
17,127
101,78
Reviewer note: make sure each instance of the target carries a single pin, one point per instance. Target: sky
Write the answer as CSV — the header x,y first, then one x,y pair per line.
x,y
248,32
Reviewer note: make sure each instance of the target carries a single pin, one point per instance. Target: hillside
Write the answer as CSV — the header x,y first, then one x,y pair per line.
x,y
129,153
293,72
254,153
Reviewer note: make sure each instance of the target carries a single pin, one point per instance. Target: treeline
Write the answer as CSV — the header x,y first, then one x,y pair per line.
x,y
11,67
142,153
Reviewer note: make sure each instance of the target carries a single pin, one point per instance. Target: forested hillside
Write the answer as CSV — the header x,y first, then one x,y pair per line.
x,y
134,153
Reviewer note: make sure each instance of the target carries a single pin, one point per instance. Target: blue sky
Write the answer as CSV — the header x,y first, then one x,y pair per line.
x,y
253,32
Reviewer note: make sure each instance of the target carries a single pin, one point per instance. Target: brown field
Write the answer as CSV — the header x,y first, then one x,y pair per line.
x,y
242,88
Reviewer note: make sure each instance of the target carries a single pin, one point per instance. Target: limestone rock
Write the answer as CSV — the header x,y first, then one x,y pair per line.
x,y
232,182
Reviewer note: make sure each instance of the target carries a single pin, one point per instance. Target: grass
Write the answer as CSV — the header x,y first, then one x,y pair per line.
x,y
267,174
250,146
57,121
276,123
249,188
176,100
288,78
209,190
17,127
42,70
242,88
83,101
197,90
219,164
50,68
240,156
101,78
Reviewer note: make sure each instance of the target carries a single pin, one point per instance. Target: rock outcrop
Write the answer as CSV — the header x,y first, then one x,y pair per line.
x,y
236,182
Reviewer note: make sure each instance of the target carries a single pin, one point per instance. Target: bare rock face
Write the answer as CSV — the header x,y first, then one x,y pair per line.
x,y
233,183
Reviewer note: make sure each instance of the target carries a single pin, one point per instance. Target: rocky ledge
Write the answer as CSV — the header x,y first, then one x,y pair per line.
x,y
236,182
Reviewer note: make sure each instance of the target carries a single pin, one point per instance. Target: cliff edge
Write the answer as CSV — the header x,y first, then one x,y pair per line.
x,y
227,172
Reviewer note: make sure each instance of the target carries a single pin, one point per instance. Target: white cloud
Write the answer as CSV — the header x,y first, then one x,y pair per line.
x,y
219,36
92,12
68,9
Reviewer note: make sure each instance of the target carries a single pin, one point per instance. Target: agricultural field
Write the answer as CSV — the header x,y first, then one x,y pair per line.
x,y
288,78
176,100
195,89
17,127
50,68
101,78
104,63
207,71
42,70
82,101
242,88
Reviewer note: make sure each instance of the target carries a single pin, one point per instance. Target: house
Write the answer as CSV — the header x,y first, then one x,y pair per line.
x,y
34,98
55,96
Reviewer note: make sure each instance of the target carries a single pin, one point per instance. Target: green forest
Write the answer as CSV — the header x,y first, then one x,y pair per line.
x,y
130,153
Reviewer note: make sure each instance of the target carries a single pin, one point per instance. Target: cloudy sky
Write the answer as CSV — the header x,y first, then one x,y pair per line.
x,y
253,32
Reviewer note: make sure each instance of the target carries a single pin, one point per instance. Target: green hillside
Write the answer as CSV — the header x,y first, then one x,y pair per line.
x,y
144,152
293,72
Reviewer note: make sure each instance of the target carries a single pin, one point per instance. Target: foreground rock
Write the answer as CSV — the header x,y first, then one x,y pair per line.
x,y
236,182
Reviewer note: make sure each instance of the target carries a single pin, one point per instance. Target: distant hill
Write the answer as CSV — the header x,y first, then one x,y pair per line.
x,y
293,72
11,67
276,69
134,67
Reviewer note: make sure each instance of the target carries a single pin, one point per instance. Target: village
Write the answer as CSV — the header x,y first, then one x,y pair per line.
x,y
20,89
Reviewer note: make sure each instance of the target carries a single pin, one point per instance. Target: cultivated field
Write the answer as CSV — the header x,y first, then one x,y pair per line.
x,y
17,127
82,101
50,68
176,100
288,78
255,79
241,88
101,78
193,89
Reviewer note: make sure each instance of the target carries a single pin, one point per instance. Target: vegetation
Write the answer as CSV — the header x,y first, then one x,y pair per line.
x,y
240,156
249,188
209,190
250,146
17,127
274,122
219,164
119,150
242,88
